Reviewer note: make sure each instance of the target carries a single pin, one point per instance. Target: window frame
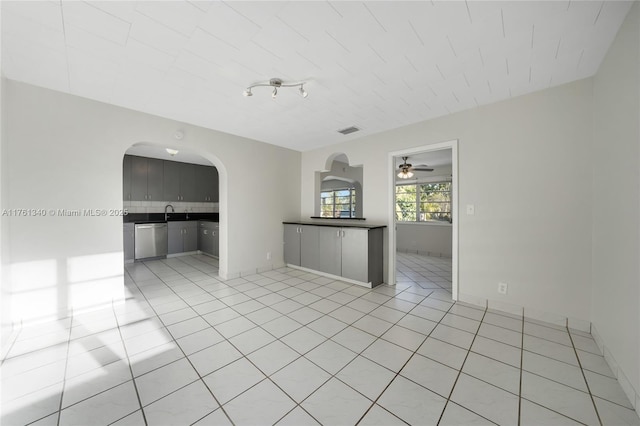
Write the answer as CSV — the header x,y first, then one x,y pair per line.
x,y
334,197
418,201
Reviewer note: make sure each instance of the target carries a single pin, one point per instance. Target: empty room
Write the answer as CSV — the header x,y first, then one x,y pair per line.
x,y
320,212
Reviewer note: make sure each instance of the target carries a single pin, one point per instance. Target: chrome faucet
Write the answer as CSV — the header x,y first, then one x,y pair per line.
x,y
166,215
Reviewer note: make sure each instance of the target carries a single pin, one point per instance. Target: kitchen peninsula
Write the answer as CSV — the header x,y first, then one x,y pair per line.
x,y
351,251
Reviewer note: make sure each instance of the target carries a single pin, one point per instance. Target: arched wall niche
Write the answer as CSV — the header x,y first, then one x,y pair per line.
x,y
339,175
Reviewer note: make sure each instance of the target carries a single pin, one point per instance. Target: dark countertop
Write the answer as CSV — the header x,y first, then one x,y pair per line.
x,y
172,217
335,223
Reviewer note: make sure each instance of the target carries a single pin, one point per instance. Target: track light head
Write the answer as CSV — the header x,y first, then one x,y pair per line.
x,y
303,92
247,92
274,93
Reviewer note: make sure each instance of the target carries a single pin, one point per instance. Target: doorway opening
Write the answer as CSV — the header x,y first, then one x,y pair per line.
x,y
193,196
423,208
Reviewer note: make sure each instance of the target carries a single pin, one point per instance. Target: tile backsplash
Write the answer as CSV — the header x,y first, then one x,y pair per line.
x,y
179,206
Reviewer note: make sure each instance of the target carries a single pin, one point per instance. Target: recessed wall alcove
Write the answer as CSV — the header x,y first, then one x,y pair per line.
x,y
338,189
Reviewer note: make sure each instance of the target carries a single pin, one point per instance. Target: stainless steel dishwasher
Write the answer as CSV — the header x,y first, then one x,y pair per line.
x,y
150,240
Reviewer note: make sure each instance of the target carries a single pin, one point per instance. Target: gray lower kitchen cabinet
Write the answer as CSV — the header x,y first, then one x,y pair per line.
x,y
182,236
146,179
216,241
330,250
355,253
190,236
301,245
209,238
128,240
292,244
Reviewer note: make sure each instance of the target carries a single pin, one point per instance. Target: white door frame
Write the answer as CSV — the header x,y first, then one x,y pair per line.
x,y
453,146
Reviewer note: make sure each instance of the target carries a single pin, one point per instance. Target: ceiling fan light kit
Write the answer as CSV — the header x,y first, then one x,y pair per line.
x,y
276,83
405,169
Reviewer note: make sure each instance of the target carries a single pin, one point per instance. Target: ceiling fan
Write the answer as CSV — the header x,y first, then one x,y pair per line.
x,y
405,170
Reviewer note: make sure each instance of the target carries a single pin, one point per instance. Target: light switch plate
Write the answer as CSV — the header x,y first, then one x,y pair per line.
x,y
471,209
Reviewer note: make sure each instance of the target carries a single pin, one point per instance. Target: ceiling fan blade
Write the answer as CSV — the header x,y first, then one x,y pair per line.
x,y
422,168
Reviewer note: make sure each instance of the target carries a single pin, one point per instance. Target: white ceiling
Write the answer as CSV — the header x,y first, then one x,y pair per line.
x,y
377,65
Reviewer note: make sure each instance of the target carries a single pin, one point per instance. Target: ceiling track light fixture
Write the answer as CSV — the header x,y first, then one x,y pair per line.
x,y
277,83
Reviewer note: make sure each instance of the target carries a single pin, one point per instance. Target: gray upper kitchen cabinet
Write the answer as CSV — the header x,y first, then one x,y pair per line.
x,y
146,179
171,187
182,236
150,179
188,182
330,250
206,188
126,178
179,181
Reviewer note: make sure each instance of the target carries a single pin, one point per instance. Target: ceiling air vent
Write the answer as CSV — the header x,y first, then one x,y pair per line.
x,y
348,130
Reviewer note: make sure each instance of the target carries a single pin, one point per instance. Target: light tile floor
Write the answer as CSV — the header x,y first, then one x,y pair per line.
x,y
294,348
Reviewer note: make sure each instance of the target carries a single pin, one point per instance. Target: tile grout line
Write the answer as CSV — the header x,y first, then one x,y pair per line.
x,y
521,368
461,367
66,366
326,339
575,351
403,365
244,356
303,325
126,353
185,356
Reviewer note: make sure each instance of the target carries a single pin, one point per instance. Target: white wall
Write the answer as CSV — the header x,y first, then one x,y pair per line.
x,y
431,239
66,153
616,204
532,229
5,286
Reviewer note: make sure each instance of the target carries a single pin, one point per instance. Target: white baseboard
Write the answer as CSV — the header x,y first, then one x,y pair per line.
x,y
625,384
335,277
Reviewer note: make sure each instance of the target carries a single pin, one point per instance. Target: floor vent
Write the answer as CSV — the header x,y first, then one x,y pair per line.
x,y
348,130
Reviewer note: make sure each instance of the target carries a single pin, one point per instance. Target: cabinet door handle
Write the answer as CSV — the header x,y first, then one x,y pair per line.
x,y
343,234
338,233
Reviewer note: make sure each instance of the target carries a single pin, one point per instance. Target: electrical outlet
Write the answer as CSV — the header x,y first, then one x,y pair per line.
x,y
268,255
502,288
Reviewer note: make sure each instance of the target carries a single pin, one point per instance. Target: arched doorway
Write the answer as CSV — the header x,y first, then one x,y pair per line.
x,y
191,206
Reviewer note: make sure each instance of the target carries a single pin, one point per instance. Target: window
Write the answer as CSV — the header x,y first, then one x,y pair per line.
x,y
338,203
425,202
